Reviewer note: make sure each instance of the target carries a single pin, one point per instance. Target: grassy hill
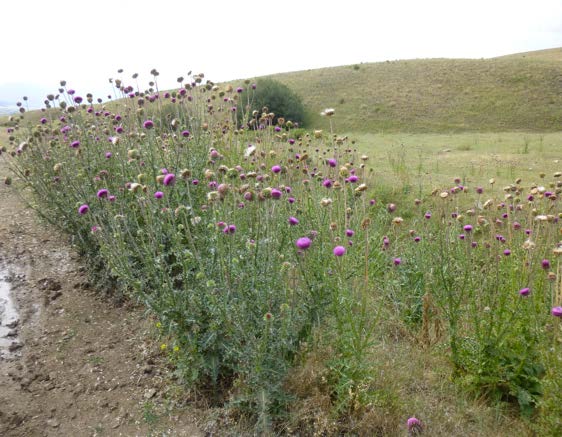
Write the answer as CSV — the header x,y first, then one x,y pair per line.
x,y
519,92
516,92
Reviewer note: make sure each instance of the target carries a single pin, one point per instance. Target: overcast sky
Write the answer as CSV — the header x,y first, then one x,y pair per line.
x,y
86,42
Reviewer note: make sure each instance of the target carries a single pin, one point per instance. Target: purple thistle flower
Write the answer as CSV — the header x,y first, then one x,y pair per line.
x,y
397,261
417,239
332,162
75,144
303,243
78,100
159,195
474,244
414,425
293,221
545,264
227,229
525,291
83,209
339,251
43,120
327,183
169,179
349,232
195,182
148,124
103,193
507,252
108,155
111,198
353,178
467,228
275,193
462,236
291,200
556,311
276,169
427,215
185,133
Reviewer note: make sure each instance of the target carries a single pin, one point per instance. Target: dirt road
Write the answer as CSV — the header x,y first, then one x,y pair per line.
x,y
73,363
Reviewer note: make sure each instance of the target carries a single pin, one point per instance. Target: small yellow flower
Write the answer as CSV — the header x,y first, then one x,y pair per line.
x,y
176,348
163,346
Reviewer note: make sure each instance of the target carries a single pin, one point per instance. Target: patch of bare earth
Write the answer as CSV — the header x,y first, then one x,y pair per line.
x,y
73,363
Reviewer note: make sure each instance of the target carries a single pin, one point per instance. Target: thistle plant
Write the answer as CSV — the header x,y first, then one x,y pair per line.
x,y
252,246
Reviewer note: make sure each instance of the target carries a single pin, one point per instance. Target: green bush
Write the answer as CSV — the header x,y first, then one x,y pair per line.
x,y
277,98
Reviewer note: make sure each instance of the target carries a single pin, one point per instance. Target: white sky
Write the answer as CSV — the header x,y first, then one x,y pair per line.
x,y
85,42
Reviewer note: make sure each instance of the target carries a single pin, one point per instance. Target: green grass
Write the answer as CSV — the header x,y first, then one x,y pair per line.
x,y
518,92
432,160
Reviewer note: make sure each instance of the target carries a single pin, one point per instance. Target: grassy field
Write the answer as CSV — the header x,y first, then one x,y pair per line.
x,y
432,160
520,92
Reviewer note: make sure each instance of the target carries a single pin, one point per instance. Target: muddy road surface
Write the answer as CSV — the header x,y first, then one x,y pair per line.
x,y
73,362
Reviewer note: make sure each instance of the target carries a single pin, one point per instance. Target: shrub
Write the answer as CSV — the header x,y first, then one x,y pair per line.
x,y
278,98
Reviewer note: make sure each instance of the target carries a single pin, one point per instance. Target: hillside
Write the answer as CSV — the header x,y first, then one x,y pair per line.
x,y
516,92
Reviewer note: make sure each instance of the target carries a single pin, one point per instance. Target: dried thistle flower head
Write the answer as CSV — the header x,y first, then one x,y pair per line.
x,y
528,244
557,251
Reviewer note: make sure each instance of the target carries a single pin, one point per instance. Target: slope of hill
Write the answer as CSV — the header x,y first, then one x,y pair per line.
x,y
516,92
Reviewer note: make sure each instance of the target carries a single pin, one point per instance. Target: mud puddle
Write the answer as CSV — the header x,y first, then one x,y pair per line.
x,y
9,318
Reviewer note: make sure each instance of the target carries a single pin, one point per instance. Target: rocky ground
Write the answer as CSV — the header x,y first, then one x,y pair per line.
x,y
73,362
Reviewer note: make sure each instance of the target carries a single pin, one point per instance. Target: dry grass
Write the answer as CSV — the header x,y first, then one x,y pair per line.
x,y
408,380
547,55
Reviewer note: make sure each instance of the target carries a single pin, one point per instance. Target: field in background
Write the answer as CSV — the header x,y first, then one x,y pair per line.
x,y
431,160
